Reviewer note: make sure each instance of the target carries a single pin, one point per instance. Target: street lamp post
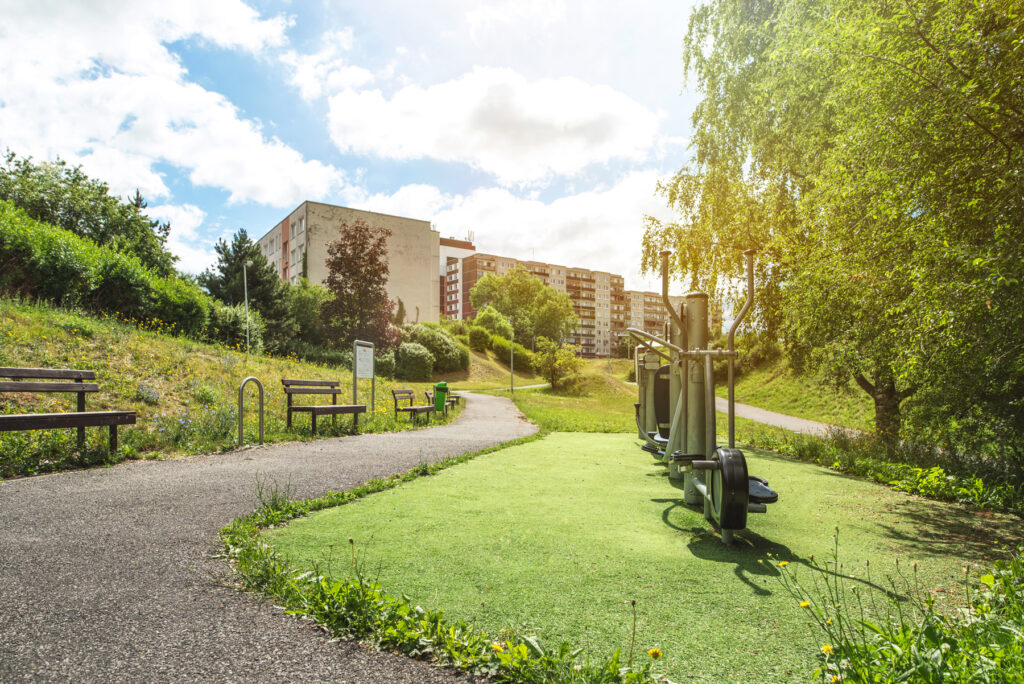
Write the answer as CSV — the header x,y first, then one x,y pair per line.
x,y
512,363
245,287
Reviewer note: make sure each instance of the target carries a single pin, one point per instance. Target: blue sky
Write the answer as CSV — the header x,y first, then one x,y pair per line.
x,y
541,127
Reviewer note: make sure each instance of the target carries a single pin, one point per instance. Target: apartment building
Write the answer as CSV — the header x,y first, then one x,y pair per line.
x,y
452,253
604,307
301,241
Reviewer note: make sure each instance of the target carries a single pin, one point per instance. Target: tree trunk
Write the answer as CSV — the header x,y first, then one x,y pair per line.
x,y
887,406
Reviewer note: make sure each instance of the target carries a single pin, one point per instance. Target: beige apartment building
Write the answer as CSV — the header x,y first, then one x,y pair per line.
x,y
413,252
604,307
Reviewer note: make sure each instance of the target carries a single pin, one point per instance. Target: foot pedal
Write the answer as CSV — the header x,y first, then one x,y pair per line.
x,y
651,449
758,491
685,459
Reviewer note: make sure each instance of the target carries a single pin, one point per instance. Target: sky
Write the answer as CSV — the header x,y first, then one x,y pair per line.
x,y
539,128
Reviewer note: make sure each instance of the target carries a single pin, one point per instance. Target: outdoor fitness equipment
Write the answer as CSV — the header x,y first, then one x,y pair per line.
x,y
675,414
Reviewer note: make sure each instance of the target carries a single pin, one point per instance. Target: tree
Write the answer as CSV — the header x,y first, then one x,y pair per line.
x,y
304,301
399,317
532,307
64,196
489,319
872,151
267,293
555,362
359,307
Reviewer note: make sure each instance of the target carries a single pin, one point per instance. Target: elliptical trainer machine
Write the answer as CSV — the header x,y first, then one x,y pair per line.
x,y
675,411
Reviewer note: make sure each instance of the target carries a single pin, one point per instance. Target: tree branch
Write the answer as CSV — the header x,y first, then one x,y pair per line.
x,y
864,384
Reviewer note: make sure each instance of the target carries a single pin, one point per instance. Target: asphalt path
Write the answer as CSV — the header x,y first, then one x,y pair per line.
x,y
781,420
113,574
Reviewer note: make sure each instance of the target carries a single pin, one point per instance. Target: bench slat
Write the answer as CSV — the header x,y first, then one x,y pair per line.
x,y
311,383
332,409
312,390
48,373
49,387
46,421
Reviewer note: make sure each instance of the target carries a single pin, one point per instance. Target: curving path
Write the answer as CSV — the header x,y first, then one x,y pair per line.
x,y
112,575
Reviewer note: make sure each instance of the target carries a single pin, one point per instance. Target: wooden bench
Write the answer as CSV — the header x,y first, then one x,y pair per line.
x,y
413,411
449,401
35,380
332,387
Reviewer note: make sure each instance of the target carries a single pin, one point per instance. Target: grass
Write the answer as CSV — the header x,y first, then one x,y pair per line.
x,y
563,531
776,387
486,372
185,392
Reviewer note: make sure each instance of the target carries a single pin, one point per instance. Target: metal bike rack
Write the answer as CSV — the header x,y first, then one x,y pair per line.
x,y
241,414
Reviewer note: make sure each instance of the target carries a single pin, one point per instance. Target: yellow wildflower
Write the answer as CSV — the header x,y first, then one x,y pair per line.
x,y
827,649
783,564
655,653
805,604
497,647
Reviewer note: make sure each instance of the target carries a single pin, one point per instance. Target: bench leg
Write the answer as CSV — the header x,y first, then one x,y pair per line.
x,y
81,438
113,440
355,421
288,420
313,415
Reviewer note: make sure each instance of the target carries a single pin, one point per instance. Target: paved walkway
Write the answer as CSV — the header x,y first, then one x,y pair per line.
x,y
111,574
772,418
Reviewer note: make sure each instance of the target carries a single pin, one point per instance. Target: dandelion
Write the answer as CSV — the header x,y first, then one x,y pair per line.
x,y
655,653
497,647
827,649
783,564
805,604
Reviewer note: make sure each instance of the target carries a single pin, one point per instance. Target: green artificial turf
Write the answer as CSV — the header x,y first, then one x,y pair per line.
x,y
558,535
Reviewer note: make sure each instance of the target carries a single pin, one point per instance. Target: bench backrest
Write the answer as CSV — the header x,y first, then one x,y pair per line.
x,y
292,386
403,394
24,380
27,380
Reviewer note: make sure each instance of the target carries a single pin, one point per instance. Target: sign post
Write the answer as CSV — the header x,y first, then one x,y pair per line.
x,y
362,368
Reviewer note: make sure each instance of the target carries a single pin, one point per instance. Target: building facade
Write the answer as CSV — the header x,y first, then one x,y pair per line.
x,y
413,251
604,307
452,253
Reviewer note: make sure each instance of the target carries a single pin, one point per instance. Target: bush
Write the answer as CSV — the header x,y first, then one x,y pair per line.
x,y
462,339
227,326
439,343
489,319
500,346
413,362
338,358
556,363
463,357
384,365
479,338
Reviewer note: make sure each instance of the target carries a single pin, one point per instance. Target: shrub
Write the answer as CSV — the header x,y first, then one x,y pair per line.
x,y
227,325
439,343
339,358
489,319
414,362
479,338
556,363
500,347
523,357
384,364
462,339
463,357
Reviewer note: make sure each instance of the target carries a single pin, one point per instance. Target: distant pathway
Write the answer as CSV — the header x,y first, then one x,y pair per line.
x,y
781,420
111,574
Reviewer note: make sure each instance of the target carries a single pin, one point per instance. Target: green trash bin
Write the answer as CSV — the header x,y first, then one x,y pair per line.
x,y
440,396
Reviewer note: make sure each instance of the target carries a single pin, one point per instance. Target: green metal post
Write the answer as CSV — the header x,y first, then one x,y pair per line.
x,y
696,427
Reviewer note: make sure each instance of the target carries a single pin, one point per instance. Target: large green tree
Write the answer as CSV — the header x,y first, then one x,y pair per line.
x,y
229,282
533,308
65,196
873,151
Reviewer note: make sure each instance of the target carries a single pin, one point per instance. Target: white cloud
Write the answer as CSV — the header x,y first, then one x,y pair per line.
x,y
497,121
194,253
599,229
487,19
326,71
95,84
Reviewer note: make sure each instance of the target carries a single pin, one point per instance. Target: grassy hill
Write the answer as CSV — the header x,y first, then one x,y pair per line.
x,y
486,372
185,392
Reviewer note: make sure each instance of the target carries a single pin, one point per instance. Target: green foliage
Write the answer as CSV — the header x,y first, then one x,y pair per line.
x,y
911,638
359,608
890,235
926,471
64,196
440,344
531,307
413,362
304,301
479,338
556,363
228,326
45,262
230,281
495,323
384,364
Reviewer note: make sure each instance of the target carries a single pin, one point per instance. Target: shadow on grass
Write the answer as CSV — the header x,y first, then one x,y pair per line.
x,y
753,557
